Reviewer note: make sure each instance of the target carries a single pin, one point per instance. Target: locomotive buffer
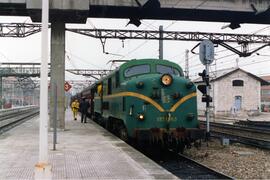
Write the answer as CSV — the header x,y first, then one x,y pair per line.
x,y
206,57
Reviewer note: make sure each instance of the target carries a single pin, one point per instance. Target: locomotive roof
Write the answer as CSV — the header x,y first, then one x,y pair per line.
x,y
153,61
133,62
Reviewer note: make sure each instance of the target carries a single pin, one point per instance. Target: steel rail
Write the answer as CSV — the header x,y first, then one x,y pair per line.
x,y
252,129
20,117
182,166
213,172
260,143
256,124
254,136
187,168
11,115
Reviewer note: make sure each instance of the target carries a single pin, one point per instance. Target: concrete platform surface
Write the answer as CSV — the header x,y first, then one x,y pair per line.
x,y
84,151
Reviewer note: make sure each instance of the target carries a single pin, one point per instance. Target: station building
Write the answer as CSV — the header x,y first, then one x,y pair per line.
x,y
266,95
234,92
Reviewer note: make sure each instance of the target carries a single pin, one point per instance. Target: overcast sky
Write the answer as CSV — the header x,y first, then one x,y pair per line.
x,y
86,52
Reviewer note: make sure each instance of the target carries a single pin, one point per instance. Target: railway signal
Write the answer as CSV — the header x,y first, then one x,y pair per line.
x,y
206,57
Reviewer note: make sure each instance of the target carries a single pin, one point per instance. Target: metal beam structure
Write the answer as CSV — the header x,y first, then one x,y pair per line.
x,y
217,38
23,73
24,30
33,70
89,72
80,84
18,29
20,69
171,35
28,83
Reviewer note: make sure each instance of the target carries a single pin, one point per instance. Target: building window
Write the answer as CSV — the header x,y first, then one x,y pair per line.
x,y
238,83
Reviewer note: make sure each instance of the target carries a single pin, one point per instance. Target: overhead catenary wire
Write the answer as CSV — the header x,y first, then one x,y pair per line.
x,y
165,28
143,43
83,60
130,39
223,57
255,32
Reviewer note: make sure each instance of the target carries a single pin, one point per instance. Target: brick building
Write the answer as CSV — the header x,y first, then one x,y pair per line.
x,y
235,92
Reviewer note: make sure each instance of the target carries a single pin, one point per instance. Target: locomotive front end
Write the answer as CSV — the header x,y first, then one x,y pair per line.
x,y
161,106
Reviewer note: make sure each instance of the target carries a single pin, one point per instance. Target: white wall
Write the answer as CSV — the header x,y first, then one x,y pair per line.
x,y
224,93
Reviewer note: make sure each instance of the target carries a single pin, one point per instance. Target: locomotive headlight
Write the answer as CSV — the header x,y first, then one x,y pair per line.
x,y
189,85
166,79
140,117
190,116
139,84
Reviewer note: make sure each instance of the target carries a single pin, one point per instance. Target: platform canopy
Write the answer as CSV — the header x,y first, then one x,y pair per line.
x,y
232,11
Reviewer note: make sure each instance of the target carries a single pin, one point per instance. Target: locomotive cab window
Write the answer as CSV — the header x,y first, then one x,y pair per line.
x,y
161,69
238,82
136,70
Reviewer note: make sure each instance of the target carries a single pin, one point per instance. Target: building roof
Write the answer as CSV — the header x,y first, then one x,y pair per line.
x,y
266,78
217,75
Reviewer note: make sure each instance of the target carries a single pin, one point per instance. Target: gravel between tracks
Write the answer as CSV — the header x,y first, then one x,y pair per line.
x,y
236,160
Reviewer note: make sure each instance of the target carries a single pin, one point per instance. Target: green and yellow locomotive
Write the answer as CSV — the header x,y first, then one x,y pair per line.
x,y
147,100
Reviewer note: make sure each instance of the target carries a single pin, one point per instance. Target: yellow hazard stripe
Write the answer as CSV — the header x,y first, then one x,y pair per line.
x,y
151,101
137,95
182,100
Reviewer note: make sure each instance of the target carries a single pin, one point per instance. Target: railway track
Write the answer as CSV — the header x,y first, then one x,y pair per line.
x,y
256,124
13,117
249,135
182,166
178,164
186,168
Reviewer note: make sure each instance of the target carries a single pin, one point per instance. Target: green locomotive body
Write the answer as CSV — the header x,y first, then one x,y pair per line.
x,y
147,100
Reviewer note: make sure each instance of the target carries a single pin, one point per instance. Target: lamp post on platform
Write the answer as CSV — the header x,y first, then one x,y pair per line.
x,y
42,168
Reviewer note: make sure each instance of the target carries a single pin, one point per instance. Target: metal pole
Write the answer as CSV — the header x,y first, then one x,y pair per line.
x,y
187,64
43,169
1,93
161,42
207,112
55,119
23,94
43,144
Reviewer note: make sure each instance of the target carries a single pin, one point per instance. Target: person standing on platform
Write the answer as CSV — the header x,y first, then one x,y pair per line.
x,y
75,107
84,107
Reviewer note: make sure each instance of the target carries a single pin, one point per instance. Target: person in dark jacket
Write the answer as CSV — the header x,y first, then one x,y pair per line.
x,y
84,105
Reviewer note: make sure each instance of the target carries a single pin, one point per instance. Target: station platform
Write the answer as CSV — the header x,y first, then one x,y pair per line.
x,y
84,151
